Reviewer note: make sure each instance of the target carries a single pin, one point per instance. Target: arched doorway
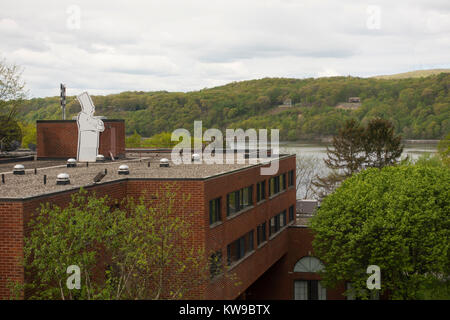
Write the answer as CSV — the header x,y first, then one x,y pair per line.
x,y
308,289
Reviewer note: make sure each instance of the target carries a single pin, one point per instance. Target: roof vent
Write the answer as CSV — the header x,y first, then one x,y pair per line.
x,y
195,157
164,162
62,178
71,163
100,158
124,169
19,169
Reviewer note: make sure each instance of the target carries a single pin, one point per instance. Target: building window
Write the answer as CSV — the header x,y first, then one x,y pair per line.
x,y
283,182
277,184
291,178
261,233
214,211
274,185
277,222
240,247
283,219
246,196
215,264
231,203
291,213
239,200
260,191
308,264
309,290
274,225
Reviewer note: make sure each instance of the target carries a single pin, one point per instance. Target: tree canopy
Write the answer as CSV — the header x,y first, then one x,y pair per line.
x,y
396,218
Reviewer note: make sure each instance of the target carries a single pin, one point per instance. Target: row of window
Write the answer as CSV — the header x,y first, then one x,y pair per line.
x,y
240,247
243,198
239,200
277,222
244,245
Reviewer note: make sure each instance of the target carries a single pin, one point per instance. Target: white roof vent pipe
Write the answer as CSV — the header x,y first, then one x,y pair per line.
x,y
62,179
195,157
100,158
164,162
71,163
19,169
124,169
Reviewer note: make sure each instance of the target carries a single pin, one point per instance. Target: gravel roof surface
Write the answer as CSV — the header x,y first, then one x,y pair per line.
x,y
29,185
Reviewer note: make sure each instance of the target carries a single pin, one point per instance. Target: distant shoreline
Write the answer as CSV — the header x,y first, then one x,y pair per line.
x,y
423,141
330,140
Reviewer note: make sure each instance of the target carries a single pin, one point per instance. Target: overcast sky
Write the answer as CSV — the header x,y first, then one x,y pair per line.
x,y
182,45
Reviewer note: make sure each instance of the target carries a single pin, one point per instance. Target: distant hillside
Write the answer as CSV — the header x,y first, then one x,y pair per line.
x,y
413,74
419,107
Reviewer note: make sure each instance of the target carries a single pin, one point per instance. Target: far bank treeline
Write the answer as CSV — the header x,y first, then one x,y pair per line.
x,y
418,107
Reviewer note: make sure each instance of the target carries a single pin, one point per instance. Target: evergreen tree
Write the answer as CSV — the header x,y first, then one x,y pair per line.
x,y
382,147
355,148
347,154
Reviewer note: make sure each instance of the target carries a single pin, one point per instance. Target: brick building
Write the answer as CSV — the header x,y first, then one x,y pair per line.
x,y
58,139
247,219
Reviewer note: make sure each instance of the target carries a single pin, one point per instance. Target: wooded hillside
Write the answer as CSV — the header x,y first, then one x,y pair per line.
x,y
418,107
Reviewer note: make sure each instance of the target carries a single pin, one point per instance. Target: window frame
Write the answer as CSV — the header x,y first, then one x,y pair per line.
x,y
217,203
261,234
260,191
291,213
243,199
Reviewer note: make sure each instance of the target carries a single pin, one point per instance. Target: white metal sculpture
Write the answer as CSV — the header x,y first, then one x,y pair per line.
x,y
89,128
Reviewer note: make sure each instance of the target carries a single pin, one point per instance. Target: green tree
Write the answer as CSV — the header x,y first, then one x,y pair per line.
x,y
153,254
12,93
12,88
10,134
355,148
29,138
382,147
347,153
134,141
444,149
396,218
138,249
63,237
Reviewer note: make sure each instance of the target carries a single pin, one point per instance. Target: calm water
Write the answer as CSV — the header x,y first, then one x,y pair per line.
x,y
318,151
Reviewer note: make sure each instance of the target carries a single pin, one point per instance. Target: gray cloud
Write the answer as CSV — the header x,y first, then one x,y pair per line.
x,y
188,45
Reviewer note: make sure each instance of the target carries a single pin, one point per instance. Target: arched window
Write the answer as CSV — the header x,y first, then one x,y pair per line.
x,y
309,289
308,264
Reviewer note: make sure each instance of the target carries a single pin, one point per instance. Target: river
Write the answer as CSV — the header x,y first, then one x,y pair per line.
x,y
316,152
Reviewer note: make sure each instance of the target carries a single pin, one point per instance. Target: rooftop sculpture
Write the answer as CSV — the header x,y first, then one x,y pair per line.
x,y
89,128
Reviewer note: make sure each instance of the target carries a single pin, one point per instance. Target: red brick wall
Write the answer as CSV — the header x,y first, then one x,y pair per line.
x,y
218,237
278,282
59,138
11,243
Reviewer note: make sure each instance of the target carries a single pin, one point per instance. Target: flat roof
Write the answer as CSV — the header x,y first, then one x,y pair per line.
x,y
31,185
